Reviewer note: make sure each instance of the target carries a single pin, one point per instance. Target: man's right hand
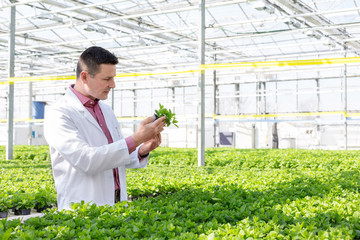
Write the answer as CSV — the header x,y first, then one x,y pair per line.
x,y
148,129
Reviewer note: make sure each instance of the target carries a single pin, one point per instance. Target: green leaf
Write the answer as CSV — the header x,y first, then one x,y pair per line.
x,y
168,114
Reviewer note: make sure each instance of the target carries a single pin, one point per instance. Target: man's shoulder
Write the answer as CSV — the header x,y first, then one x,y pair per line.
x,y
64,104
60,103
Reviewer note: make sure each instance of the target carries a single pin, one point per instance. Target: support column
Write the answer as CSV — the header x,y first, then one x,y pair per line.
x,y
345,104
201,89
216,111
30,136
264,98
216,105
318,126
237,99
10,98
261,98
134,112
173,98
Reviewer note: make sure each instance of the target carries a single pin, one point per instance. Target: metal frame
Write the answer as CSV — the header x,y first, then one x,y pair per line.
x,y
169,36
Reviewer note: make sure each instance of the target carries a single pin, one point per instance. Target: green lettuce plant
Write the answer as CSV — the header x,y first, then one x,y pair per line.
x,y
5,202
169,116
22,201
43,199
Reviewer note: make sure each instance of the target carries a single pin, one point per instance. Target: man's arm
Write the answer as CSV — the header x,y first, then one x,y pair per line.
x,y
62,133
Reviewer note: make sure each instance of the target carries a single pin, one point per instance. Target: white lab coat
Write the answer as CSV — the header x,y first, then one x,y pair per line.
x,y
82,160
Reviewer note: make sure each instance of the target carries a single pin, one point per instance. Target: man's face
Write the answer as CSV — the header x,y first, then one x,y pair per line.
x,y
99,85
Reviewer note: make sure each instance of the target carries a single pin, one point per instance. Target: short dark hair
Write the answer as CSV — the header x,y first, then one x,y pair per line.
x,y
91,59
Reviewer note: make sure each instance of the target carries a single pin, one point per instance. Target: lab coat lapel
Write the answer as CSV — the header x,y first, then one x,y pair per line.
x,y
90,118
81,109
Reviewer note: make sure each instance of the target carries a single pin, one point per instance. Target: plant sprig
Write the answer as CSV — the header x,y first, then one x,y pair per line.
x,y
169,116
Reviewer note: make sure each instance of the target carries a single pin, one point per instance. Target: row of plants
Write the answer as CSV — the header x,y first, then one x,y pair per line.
x,y
307,194
268,205
27,153
21,203
26,182
260,158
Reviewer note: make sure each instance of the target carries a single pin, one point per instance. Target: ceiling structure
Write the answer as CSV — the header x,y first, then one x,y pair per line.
x,y
162,35
158,40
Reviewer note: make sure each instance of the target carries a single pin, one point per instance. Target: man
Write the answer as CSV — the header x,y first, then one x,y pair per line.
x,y
89,155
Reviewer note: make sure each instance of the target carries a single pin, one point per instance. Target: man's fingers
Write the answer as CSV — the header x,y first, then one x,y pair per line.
x,y
160,121
148,120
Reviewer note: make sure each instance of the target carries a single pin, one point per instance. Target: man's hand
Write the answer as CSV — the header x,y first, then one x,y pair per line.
x,y
150,145
148,130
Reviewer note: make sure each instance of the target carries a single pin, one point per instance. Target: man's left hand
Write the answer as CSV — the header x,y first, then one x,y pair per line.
x,y
150,145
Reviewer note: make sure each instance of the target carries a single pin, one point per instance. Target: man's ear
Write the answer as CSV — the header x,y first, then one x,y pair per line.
x,y
83,76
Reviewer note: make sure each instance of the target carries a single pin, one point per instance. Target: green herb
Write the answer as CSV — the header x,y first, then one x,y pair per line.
x,y
170,116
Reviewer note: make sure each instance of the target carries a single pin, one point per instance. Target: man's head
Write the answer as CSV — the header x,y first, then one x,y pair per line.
x,y
91,59
95,72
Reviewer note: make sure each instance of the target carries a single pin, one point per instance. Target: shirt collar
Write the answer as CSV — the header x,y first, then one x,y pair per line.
x,y
86,101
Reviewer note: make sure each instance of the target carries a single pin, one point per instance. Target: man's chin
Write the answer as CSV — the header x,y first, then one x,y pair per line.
x,y
103,97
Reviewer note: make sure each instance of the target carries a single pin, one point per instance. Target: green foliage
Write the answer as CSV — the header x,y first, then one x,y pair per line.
x,y
44,198
240,194
170,116
22,201
5,202
27,180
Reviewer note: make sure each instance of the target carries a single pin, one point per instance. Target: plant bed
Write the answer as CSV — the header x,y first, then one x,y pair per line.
x,y
22,211
244,194
23,203
5,204
41,209
44,199
3,214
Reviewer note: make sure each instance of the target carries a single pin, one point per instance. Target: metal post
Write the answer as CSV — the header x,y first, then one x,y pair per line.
x,y
237,99
30,136
201,89
345,104
134,112
216,109
184,109
318,126
297,96
253,136
276,97
173,98
257,97
10,115
264,97
216,104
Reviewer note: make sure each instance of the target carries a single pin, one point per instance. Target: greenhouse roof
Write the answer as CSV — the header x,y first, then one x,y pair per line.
x,y
162,35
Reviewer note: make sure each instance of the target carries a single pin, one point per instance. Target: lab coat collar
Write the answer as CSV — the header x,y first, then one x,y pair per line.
x,y
75,102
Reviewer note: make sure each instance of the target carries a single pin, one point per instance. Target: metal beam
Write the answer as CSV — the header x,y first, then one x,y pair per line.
x,y
10,98
340,33
30,137
201,89
345,99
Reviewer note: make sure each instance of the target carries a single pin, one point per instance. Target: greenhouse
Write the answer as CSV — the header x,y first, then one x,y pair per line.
x,y
266,96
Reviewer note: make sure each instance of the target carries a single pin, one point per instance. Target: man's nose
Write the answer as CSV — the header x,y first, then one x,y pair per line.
x,y
112,83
